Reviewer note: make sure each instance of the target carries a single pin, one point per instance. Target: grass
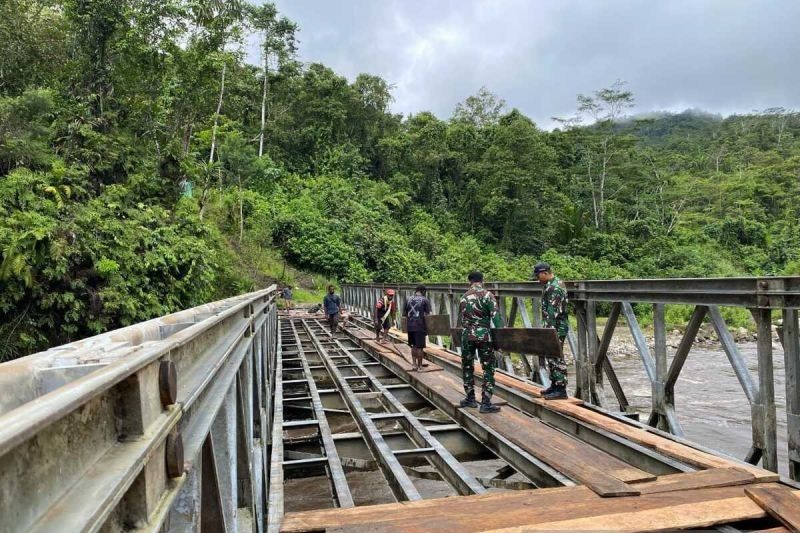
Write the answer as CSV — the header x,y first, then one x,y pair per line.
x,y
304,296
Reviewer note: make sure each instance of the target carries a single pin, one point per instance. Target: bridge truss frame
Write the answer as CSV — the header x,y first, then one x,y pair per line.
x,y
761,296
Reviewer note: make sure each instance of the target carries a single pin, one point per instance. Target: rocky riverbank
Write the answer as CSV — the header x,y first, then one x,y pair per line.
x,y
622,343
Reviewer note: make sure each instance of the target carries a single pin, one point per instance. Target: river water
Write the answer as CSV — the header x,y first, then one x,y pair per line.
x,y
710,402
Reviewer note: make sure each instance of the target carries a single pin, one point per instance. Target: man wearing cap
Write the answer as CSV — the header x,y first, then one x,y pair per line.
x,y
385,315
554,315
478,310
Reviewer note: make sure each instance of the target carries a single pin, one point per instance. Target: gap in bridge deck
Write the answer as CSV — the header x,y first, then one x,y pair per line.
x,y
308,479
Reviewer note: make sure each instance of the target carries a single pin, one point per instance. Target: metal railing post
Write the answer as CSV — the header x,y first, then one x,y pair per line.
x,y
791,355
766,387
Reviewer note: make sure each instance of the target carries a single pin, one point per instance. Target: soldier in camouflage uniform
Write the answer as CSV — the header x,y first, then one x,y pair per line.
x,y
554,315
478,310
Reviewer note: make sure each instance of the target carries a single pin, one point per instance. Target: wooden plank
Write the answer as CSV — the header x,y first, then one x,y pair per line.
x,y
685,516
538,341
565,506
668,447
780,502
582,462
446,385
437,324
434,324
715,477
579,495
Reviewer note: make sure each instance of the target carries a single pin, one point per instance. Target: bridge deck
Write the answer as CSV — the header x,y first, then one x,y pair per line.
x,y
583,468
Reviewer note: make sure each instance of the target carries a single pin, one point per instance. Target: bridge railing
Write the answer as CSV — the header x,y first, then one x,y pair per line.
x,y
163,425
593,368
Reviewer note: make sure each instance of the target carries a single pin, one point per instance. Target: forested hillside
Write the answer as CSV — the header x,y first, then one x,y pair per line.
x,y
145,166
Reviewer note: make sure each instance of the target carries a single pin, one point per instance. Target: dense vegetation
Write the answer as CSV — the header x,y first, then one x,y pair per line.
x,y
145,166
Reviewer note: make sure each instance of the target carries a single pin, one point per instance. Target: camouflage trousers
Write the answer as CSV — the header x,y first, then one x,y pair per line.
x,y
557,367
486,356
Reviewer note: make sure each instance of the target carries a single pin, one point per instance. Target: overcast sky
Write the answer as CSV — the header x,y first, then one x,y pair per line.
x,y
723,56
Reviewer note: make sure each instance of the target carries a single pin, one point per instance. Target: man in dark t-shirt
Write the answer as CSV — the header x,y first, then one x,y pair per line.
x,y
287,297
332,307
415,310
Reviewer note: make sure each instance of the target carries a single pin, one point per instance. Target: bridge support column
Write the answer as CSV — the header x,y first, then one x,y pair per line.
x,y
594,374
453,305
790,337
583,388
766,387
658,414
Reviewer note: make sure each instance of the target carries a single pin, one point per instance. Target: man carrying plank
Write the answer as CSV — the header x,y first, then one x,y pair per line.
x,y
554,315
385,314
478,310
416,309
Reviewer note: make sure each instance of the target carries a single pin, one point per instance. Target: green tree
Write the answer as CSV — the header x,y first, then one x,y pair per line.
x,y
278,44
601,146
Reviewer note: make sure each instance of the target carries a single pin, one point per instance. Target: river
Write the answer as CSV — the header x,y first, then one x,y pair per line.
x,y
711,405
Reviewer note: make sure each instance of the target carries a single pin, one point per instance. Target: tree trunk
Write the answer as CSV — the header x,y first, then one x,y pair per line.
x,y
203,200
264,94
216,115
241,211
781,127
603,175
187,135
594,196
219,181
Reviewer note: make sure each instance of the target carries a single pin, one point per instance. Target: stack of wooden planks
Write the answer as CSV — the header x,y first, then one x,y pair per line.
x,y
677,501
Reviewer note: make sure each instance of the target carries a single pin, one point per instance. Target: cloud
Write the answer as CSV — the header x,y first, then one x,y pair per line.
x,y
724,56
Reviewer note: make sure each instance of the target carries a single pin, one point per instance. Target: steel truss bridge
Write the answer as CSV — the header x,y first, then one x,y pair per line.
x,y
235,416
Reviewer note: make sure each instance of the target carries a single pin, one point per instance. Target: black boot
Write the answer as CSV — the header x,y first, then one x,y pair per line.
x,y
469,401
548,390
559,392
487,406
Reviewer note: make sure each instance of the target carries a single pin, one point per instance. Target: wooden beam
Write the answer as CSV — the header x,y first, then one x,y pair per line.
x,y
780,502
539,341
569,508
